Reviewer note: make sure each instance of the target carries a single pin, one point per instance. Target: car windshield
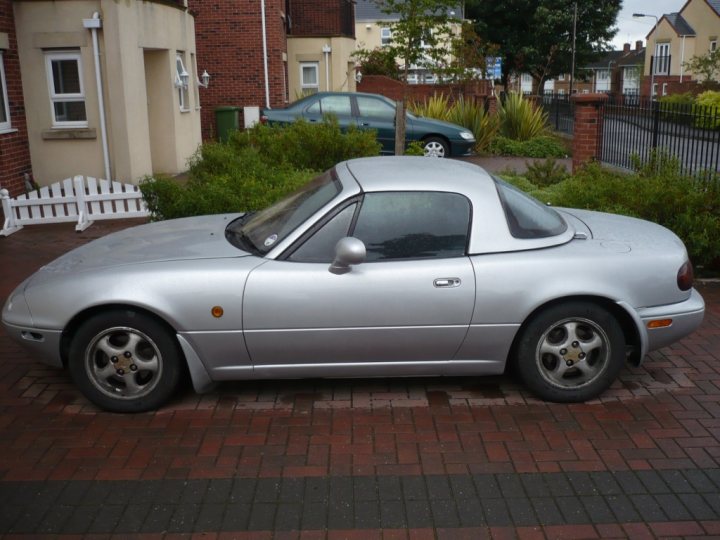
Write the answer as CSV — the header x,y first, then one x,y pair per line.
x,y
260,231
526,217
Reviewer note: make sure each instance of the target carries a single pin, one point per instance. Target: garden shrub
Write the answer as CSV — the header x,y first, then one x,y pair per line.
x,y
303,145
707,107
254,169
415,148
546,173
520,119
543,146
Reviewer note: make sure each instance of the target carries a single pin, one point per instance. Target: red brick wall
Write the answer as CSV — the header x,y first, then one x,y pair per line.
x,y
311,18
587,137
14,150
674,86
228,40
378,84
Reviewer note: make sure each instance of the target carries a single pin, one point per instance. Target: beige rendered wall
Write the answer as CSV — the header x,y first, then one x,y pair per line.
x,y
41,26
341,64
129,27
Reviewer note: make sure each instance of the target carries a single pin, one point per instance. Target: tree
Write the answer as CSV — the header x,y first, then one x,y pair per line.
x,y
422,35
535,36
468,55
707,65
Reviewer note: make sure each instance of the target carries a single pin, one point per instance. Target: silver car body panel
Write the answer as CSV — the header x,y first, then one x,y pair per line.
x,y
289,319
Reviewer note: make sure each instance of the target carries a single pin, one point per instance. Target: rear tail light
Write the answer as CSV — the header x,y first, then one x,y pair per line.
x,y
263,119
685,276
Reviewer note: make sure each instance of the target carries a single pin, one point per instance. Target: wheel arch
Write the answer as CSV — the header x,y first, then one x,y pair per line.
x,y
437,136
79,318
627,322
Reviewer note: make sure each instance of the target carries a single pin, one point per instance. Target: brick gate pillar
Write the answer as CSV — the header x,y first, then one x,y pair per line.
x,y
587,133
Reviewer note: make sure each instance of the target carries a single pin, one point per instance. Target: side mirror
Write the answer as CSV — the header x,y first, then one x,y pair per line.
x,y
348,251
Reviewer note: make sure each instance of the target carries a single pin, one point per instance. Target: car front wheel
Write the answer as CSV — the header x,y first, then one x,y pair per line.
x,y
436,147
125,361
571,352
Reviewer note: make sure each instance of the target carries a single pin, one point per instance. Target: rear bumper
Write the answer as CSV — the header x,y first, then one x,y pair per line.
x,y
686,318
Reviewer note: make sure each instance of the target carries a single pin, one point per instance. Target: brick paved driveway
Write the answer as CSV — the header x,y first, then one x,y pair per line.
x,y
405,459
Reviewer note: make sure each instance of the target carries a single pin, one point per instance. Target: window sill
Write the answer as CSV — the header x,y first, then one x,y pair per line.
x,y
64,134
5,131
185,110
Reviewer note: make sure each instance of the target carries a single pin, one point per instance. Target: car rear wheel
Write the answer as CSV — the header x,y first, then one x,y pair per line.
x,y
570,352
125,361
436,147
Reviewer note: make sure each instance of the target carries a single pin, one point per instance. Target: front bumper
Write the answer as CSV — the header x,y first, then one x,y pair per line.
x,y
43,345
462,147
686,318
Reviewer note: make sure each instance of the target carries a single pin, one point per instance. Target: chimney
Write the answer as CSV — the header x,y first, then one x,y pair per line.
x,y
638,45
626,47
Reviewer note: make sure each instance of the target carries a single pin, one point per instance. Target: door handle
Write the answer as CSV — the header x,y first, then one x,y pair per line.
x,y
447,282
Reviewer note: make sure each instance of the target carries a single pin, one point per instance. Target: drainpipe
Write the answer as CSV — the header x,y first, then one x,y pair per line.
x,y
682,59
326,51
265,55
93,25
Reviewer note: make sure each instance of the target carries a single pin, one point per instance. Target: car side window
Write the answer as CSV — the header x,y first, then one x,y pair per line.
x,y
320,247
413,225
337,105
375,108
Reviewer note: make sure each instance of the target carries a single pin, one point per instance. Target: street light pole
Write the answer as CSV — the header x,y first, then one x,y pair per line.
x,y
652,64
572,67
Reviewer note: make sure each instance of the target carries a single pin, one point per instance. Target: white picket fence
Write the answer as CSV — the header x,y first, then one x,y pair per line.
x,y
81,199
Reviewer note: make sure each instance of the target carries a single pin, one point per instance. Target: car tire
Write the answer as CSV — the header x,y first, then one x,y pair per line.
x,y
570,352
436,147
125,361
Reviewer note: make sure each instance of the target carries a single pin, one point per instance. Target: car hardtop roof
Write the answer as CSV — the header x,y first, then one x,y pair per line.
x,y
416,173
323,94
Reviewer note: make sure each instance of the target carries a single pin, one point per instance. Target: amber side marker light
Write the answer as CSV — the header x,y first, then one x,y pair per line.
x,y
659,323
217,312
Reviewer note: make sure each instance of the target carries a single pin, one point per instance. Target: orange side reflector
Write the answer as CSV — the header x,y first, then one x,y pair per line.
x,y
659,323
217,312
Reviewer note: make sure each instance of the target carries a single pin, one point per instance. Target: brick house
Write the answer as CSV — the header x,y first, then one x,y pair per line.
x,y
677,37
135,114
15,165
267,53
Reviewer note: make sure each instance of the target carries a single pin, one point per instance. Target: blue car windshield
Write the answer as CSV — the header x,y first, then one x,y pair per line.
x,y
262,230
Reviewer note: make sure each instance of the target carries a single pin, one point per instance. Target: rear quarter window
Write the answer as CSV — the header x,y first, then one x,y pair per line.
x,y
526,217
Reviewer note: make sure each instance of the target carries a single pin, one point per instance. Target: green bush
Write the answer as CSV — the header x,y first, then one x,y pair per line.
x,y
303,145
656,192
254,169
707,107
520,119
687,99
543,146
546,173
415,148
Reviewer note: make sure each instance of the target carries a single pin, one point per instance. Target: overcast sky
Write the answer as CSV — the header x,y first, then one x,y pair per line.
x,y
631,29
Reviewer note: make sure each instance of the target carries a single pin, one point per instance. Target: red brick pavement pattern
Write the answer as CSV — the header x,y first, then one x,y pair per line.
x,y
636,531
665,415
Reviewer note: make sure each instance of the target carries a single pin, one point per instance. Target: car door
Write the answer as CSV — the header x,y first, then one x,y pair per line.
x,y
378,114
405,310
336,105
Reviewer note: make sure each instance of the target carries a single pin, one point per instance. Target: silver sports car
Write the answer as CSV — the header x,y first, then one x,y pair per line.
x,y
378,267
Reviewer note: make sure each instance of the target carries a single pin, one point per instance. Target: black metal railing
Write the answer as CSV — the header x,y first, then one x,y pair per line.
x,y
561,112
640,127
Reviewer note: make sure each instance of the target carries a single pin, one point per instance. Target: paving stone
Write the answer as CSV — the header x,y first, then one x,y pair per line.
x,y
462,487
194,492
697,506
699,481
605,483
210,516
315,515
340,514
365,488
521,511
392,515
54,519
262,516
236,517
29,519
131,520
316,489
74,492
560,486
218,491
496,513
389,488
676,481
582,483
444,513
623,509
470,512
572,510
292,490
80,520
486,485
597,509
653,482
648,508
157,519
510,486
547,511
629,483
414,488
367,514
534,485
267,490
438,487
673,508
243,490
288,517
418,513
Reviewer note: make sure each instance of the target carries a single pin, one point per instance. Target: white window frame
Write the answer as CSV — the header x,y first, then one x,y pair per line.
x,y
561,77
50,57
183,91
662,51
4,126
664,89
309,88
654,90
385,36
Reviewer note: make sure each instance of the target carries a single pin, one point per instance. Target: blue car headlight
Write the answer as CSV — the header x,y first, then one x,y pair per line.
x,y
467,136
